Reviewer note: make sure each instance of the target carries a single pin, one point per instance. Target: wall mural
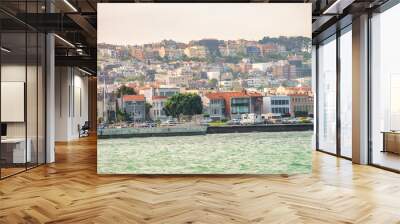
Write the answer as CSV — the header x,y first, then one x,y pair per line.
x,y
204,88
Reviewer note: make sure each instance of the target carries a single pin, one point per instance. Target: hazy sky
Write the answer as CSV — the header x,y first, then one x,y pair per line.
x,y
139,23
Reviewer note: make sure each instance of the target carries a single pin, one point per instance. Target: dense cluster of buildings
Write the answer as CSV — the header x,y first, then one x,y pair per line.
x,y
195,49
232,77
218,105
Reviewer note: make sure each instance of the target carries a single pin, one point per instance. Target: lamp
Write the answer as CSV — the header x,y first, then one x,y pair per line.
x,y
5,50
64,40
70,5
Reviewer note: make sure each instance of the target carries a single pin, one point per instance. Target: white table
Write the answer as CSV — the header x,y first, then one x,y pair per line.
x,y
19,153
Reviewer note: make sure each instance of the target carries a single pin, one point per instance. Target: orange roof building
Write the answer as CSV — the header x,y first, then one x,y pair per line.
x,y
134,107
159,97
253,102
127,98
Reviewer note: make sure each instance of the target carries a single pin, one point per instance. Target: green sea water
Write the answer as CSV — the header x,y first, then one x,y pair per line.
x,y
235,153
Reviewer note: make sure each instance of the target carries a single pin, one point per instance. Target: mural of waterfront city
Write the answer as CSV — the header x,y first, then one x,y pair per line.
x,y
204,88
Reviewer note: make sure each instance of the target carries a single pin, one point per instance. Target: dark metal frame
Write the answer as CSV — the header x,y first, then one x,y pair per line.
x,y
316,120
369,81
339,32
338,76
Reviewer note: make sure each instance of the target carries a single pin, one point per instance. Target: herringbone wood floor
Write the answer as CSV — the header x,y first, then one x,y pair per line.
x,y
70,191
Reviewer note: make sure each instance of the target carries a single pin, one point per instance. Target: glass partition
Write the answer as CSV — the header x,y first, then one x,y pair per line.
x,y
22,77
327,96
31,97
13,117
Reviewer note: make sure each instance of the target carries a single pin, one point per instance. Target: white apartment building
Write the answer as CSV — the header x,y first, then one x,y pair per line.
x,y
157,109
277,105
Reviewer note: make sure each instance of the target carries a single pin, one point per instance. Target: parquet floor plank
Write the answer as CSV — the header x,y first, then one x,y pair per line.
x,y
70,191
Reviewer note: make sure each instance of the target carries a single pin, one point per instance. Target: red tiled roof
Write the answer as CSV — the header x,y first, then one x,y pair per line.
x,y
133,98
298,94
226,95
159,97
213,96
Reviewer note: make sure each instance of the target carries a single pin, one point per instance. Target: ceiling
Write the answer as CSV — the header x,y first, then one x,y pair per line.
x,y
75,21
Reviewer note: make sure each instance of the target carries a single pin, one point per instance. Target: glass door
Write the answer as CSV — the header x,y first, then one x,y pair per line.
x,y
385,89
346,94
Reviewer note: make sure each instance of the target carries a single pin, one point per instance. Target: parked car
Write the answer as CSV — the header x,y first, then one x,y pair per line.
x,y
289,121
169,123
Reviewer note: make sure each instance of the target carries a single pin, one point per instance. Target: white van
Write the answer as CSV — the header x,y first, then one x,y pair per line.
x,y
249,119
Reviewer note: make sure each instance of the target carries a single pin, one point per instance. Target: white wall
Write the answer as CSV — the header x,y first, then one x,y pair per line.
x,y
34,124
11,73
71,103
80,105
61,103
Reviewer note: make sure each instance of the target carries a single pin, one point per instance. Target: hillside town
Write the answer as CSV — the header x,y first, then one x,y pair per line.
x,y
229,81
